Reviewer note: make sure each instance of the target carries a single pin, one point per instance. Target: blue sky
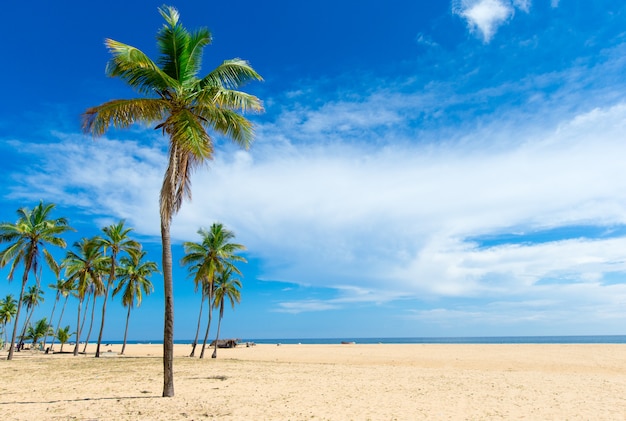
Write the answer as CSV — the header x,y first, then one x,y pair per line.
x,y
423,168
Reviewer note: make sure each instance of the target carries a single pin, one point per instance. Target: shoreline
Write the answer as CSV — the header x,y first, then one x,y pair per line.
x,y
340,381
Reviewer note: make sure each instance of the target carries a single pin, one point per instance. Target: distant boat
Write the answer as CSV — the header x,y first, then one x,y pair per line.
x,y
347,342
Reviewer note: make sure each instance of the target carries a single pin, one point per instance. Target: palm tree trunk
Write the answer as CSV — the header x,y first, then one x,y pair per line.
x,y
93,312
125,330
168,328
80,304
104,307
19,305
45,339
208,326
26,322
217,337
60,318
195,341
82,325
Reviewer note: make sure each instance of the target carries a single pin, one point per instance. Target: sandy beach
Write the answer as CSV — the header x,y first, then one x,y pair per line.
x,y
322,382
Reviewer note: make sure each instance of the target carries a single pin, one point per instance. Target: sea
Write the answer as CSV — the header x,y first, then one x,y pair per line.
x,y
583,339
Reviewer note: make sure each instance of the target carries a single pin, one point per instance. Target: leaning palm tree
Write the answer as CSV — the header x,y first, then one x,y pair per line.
x,y
28,237
116,241
82,269
134,274
226,288
214,254
186,108
8,309
32,298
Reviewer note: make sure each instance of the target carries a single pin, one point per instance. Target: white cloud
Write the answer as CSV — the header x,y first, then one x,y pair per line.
x,y
554,3
486,16
346,197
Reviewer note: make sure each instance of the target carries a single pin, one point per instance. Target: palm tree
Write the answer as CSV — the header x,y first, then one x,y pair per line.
x,y
8,309
29,237
82,269
214,254
226,287
32,299
116,240
62,288
134,274
38,331
186,107
58,287
96,289
63,335
206,292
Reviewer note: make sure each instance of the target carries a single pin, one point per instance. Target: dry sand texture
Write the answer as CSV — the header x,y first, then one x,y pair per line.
x,y
322,382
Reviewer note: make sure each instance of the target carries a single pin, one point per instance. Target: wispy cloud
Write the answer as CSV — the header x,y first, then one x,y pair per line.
x,y
377,193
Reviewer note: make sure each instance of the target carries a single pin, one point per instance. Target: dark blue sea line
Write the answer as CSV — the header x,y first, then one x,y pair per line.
x,y
584,339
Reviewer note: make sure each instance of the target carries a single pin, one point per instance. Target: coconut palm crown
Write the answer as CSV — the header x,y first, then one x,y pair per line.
x,y
186,108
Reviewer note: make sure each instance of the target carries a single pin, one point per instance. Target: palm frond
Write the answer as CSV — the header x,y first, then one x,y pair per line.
x,y
121,113
137,69
228,123
230,74
197,41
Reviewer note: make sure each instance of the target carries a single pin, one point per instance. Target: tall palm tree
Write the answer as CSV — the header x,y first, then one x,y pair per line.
x,y
96,289
38,331
83,268
206,288
28,237
226,288
57,287
32,298
214,254
62,288
8,309
115,240
185,107
134,282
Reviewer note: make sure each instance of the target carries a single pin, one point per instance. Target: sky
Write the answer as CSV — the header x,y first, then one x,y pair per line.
x,y
422,169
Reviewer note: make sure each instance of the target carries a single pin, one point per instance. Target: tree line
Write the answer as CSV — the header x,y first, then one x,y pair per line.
x,y
110,264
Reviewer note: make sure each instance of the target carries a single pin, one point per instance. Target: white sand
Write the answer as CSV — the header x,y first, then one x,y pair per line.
x,y
334,382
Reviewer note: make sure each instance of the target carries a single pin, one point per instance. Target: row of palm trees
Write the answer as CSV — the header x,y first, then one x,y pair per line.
x,y
91,268
94,265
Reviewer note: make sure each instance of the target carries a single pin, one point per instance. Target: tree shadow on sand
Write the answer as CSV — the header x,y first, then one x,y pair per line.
x,y
82,399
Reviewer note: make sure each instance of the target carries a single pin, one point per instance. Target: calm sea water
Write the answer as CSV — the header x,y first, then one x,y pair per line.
x,y
591,339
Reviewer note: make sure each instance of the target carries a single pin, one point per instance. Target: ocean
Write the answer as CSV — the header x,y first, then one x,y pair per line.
x,y
583,339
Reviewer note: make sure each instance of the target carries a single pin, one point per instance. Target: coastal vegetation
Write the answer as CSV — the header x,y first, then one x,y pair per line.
x,y
27,239
134,273
187,108
115,240
214,255
110,265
